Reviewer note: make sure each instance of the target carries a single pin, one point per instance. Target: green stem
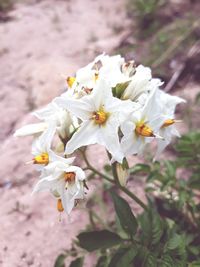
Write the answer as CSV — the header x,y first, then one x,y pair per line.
x,y
124,189
134,197
115,181
91,168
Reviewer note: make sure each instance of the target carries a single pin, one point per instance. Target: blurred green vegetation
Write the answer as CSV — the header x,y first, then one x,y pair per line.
x,y
162,35
164,235
5,5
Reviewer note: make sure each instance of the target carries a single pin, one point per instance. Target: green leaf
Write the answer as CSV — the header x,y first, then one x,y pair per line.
x,y
119,89
140,168
167,261
194,250
102,261
77,262
127,219
170,169
60,261
98,240
174,242
194,264
127,258
117,256
194,181
150,261
107,168
152,226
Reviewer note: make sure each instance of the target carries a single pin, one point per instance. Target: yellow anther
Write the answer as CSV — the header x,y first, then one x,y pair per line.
x,y
96,76
100,117
70,177
168,122
41,159
59,205
144,130
70,81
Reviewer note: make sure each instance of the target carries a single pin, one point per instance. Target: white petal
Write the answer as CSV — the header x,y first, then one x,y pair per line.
x,y
81,108
131,144
67,201
55,157
43,142
161,146
87,134
45,184
101,93
110,139
31,129
128,127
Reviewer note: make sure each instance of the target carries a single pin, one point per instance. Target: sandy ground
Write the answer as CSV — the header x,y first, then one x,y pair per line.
x,y
43,40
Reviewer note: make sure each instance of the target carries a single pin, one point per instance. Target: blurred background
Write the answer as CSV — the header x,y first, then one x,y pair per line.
x,y
42,40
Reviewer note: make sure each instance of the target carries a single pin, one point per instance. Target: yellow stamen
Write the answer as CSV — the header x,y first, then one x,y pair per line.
x,y
41,159
96,76
144,130
168,122
70,177
59,205
70,81
100,117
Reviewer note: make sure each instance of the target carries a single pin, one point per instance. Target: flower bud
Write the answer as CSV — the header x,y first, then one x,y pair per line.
x,y
122,173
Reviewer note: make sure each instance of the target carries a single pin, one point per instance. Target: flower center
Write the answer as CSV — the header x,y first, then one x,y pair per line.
x,y
168,122
144,130
41,159
70,81
69,177
59,205
100,117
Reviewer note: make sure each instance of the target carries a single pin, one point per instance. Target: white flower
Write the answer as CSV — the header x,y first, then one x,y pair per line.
x,y
141,82
111,70
41,149
65,123
85,79
166,105
100,113
136,80
64,182
52,115
141,127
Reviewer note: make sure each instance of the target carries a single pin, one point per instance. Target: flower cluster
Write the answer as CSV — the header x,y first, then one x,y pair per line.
x,y
109,102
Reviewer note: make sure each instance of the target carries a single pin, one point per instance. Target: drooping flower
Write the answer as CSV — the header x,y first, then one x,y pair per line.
x,y
65,182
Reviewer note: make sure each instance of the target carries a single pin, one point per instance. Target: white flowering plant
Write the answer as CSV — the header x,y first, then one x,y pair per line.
x,y
119,106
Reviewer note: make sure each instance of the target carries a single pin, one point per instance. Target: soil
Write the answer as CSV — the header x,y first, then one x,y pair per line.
x,y
41,41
